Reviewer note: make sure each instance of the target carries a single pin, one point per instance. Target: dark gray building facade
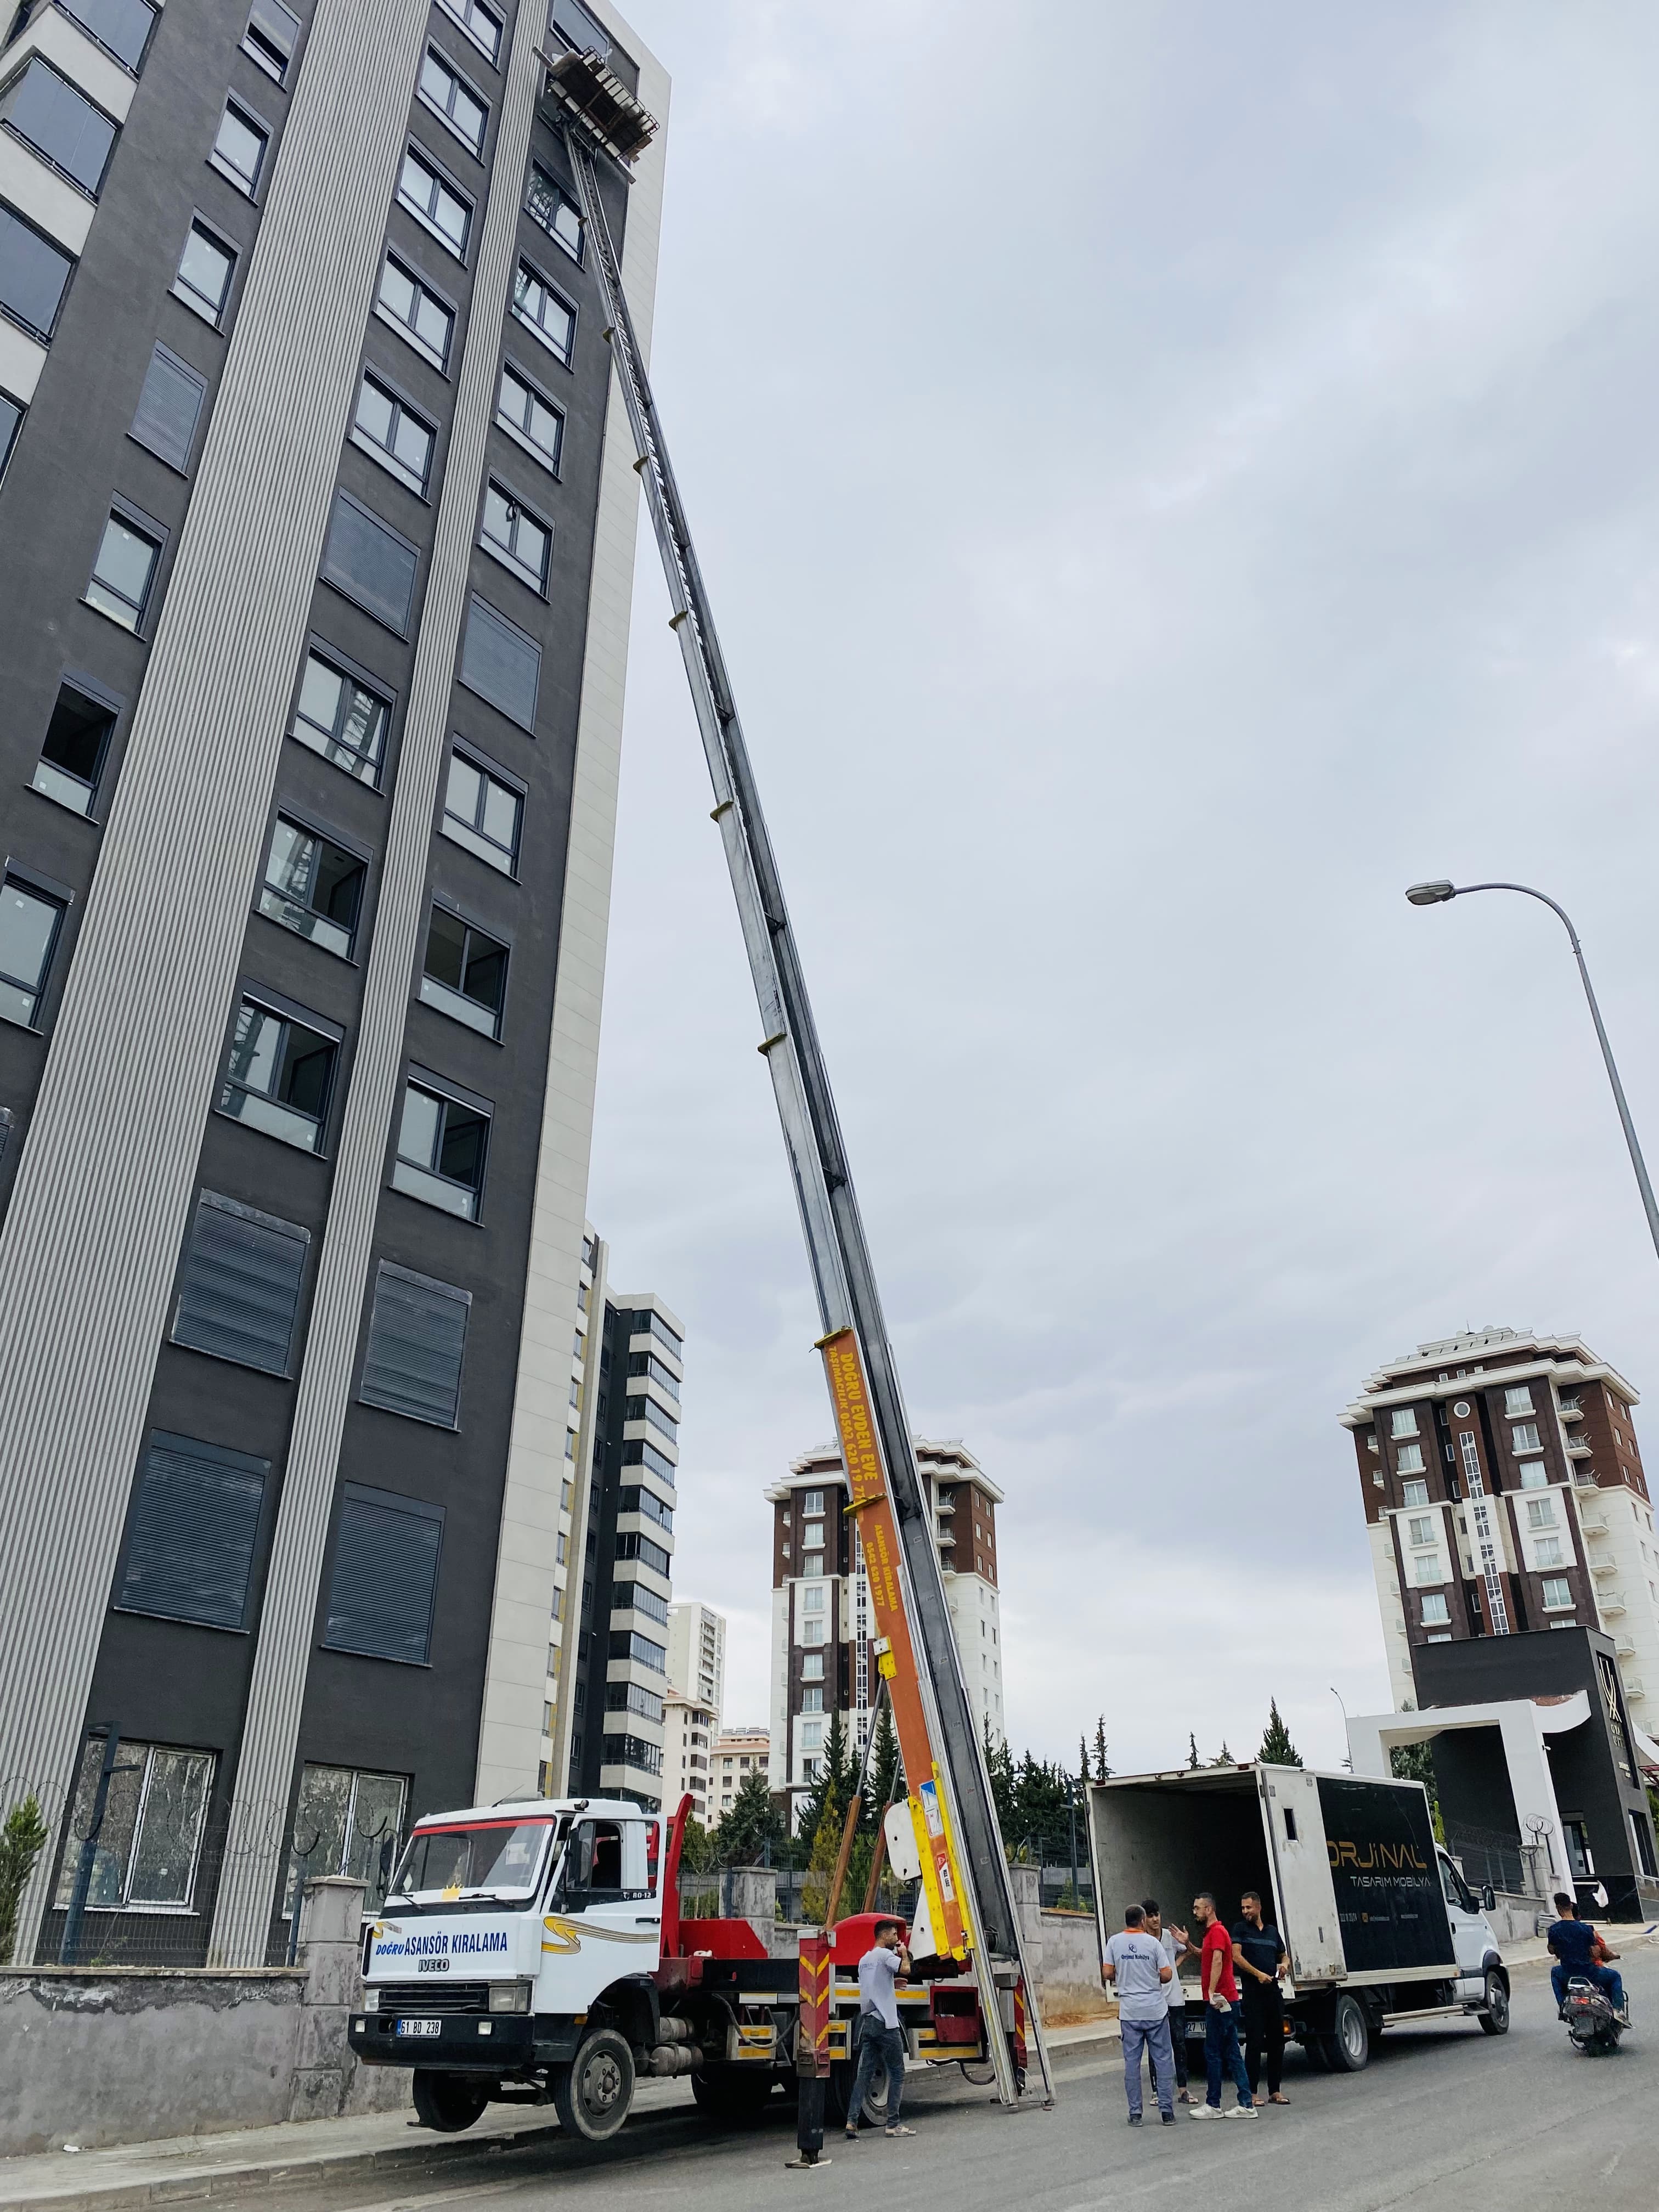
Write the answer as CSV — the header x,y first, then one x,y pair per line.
x,y
316,531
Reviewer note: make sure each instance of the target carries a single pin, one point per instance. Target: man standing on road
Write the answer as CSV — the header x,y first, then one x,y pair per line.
x,y
1574,1943
880,2036
1175,1949
1259,1954
1220,1988
1136,1966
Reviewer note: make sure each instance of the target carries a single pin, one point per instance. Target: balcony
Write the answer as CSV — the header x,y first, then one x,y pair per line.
x,y
1596,1528
1633,1689
1625,1649
1612,1605
1602,1568
1571,1410
1579,1447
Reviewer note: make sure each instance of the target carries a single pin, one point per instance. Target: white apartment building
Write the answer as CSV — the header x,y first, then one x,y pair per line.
x,y
697,1653
821,1661
689,1729
1503,1492
737,1754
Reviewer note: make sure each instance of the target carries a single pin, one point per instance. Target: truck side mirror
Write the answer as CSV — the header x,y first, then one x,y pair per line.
x,y
1488,1897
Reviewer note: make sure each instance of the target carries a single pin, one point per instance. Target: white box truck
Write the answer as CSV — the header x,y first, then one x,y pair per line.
x,y
1380,1927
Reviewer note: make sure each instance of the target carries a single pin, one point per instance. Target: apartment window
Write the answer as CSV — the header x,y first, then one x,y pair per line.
x,y
812,1632
239,150
811,1736
371,562
647,1409
46,113
447,94
811,1701
659,1328
124,572
239,1285
435,203
442,1144
32,275
648,1506
122,27
205,268
1422,1532
544,311
647,1363
643,1601
146,1852
353,1823
1426,1568
631,1546
1408,1460
29,922
385,1576
516,538
192,1532
1414,1494
11,421
573,24
313,886
72,755
390,432
169,408
530,418
637,1453
556,212
1435,1613
1524,1437
480,25
502,664
812,1600
629,1644
1516,1402
1405,1421
278,1074
1547,1552
415,312
272,38
812,1666
813,1502
812,1563
1534,1476
1540,1513
633,1697
1558,1594
339,719
416,1342
465,974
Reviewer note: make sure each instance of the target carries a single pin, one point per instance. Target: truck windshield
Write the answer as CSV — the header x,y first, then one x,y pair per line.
x,y
502,1858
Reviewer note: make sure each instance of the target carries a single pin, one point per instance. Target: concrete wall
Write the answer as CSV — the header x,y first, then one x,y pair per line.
x,y
1070,1987
93,2055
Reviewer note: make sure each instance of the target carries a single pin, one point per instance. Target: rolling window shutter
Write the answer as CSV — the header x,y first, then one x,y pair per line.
x,y
371,562
416,1337
168,407
194,1526
502,664
386,1575
239,1289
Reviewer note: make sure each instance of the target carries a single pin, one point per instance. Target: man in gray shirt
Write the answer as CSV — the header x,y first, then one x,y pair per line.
x,y
881,2039
1137,1968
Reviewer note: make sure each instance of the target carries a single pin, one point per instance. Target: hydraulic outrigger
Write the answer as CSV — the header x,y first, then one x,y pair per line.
x,y
969,1898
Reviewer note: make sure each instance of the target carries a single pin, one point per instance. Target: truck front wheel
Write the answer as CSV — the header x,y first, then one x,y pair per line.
x,y
1348,2046
448,2102
1495,2019
592,2094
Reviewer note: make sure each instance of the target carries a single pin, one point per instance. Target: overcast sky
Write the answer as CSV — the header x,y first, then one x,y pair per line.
x,y
1169,477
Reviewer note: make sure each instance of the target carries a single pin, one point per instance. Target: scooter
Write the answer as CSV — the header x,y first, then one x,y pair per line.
x,y
1592,2023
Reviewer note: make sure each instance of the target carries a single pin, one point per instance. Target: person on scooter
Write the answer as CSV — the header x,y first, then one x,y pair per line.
x,y
1575,1943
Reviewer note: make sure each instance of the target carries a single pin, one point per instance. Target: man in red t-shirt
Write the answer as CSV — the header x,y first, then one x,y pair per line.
x,y
1221,1988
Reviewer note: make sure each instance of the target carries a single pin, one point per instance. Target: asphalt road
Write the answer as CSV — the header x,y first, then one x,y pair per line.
x,y
1443,2116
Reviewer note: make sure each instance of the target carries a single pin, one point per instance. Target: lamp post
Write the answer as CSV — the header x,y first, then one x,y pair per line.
x,y
1337,1694
1437,894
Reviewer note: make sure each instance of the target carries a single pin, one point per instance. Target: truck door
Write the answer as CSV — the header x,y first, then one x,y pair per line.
x,y
1471,1936
1305,1899
599,1924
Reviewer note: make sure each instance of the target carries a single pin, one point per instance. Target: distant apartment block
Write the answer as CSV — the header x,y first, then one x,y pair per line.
x,y
822,1664
697,1653
1503,1492
688,1732
737,1753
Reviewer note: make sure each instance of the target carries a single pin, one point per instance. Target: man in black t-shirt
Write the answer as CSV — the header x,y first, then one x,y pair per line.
x,y
1259,1955
1573,1942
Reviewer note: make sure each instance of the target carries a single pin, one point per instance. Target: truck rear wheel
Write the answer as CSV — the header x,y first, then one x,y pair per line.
x,y
1348,2046
448,2102
592,2094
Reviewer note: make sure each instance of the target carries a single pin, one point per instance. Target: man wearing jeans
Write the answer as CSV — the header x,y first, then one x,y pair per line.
x,y
880,2036
1136,1966
1220,1988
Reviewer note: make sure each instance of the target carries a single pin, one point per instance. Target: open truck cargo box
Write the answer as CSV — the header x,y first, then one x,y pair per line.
x,y
1347,1865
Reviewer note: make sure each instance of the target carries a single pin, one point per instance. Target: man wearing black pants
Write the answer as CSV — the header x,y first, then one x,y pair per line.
x,y
1259,1955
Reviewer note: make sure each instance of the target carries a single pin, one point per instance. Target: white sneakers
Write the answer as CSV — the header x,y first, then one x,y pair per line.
x,y
1215,2112
1240,2112
1205,2111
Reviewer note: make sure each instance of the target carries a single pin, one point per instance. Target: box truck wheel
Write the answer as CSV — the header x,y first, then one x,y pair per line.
x,y
1348,2046
591,2095
448,2102
1495,2019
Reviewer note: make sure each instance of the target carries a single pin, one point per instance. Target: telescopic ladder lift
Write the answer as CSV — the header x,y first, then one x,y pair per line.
x,y
969,1897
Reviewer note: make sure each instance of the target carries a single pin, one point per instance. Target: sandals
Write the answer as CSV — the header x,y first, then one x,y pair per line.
x,y
900,2132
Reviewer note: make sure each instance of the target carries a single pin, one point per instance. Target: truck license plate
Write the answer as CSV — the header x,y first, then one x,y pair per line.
x,y
419,2027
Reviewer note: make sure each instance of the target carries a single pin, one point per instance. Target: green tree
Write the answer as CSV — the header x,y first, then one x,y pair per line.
x,y
1223,1757
699,1852
821,1867
1082,1756
1004,1786
886,1772
837,1772
1192,1759
752,1831
1412,1762
22,1842
1277,1749
1103,1764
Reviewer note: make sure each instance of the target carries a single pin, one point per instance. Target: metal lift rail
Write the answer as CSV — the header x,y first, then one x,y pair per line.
x,y
970,1899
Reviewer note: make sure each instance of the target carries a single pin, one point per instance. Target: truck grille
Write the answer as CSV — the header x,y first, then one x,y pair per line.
x,y
433,1996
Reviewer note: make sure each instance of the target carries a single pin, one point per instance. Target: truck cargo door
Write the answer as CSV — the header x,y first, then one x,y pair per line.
x,y
1302,1874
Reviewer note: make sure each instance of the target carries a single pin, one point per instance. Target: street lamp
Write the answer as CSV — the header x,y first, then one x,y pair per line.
x,y
1337,1694
1437,894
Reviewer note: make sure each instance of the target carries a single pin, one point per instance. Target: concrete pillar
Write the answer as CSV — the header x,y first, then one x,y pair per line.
x,y
751,1893
1027,1884
331,1950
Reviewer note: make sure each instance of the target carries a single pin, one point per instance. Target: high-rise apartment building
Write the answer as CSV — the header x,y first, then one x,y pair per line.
x,y
697,1653
609,1660
821,1662
688,1733
316,551
1503,1492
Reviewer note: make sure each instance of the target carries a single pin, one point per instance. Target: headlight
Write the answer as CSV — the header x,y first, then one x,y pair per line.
x,y
509,1996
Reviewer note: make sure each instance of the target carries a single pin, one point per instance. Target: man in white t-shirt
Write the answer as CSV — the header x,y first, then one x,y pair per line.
x,y
1175,1949
1136,1969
